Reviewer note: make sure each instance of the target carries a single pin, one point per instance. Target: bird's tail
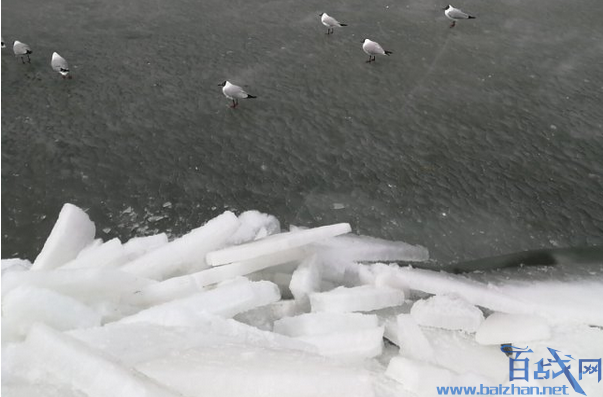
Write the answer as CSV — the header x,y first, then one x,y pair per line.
x,y
251,96
343,24
471,17
388,52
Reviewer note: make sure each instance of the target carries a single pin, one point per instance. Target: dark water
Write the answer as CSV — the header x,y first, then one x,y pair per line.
x,y
480,140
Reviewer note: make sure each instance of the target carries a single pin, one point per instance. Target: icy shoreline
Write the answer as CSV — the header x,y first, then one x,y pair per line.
x,y
239,307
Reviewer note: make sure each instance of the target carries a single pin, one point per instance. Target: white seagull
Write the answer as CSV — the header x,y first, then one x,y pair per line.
x,y
373,48
59,64
234,93
330,22
21,49
455,14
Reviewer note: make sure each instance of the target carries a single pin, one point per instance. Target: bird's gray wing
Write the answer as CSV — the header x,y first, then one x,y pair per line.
x,y
458,14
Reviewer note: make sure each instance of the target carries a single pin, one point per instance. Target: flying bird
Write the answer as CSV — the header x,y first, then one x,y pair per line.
x,y
21,49
330,22
373,48
234,93
59,64
455,14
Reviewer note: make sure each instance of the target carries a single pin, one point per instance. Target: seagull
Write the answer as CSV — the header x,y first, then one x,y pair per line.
x,y
330,22
21,49
234,93
455,14
373,48
60,65
3,45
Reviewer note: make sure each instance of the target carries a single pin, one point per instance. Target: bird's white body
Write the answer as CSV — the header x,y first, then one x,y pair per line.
x,y
21,48
455,14
232,91
372,48
59,64
329,21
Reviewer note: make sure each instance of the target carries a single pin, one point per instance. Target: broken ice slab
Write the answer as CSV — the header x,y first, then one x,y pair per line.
x,y
89,285
25,389
306,279
437,283
185,254
72,232
418,377
369,249
254,225
356,299
448,312
459,352
108,254
275,243
86,369
239,370
501,328
324,323
341,335
179,287
404,331
15,265
139,342
225,300
26,305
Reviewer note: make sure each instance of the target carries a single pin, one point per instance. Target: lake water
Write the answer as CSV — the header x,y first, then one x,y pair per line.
x,y
480,140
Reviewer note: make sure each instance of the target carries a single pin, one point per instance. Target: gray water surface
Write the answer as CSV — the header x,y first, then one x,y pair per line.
x,y
480,140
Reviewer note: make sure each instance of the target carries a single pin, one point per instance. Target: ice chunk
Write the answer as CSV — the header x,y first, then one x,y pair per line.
x,y
358,344
264,317
182,286
185,254
38,390
324,323
356,299
86,285
72,232
226,300
477,293
86,369
138,246
418,377
460,352
447,312
406,333
369,249
275,243
15,265
305,281
26,305
238,370
109,254
502,328
254,225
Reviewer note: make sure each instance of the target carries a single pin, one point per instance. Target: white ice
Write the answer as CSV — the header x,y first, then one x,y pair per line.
x,y
185,254
447,311
502,328
275,243
356,299
71,233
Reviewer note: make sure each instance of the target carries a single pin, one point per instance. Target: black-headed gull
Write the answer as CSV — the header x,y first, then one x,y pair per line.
x,y
373,48
234,93
330,22
59,64
21,49
455,14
